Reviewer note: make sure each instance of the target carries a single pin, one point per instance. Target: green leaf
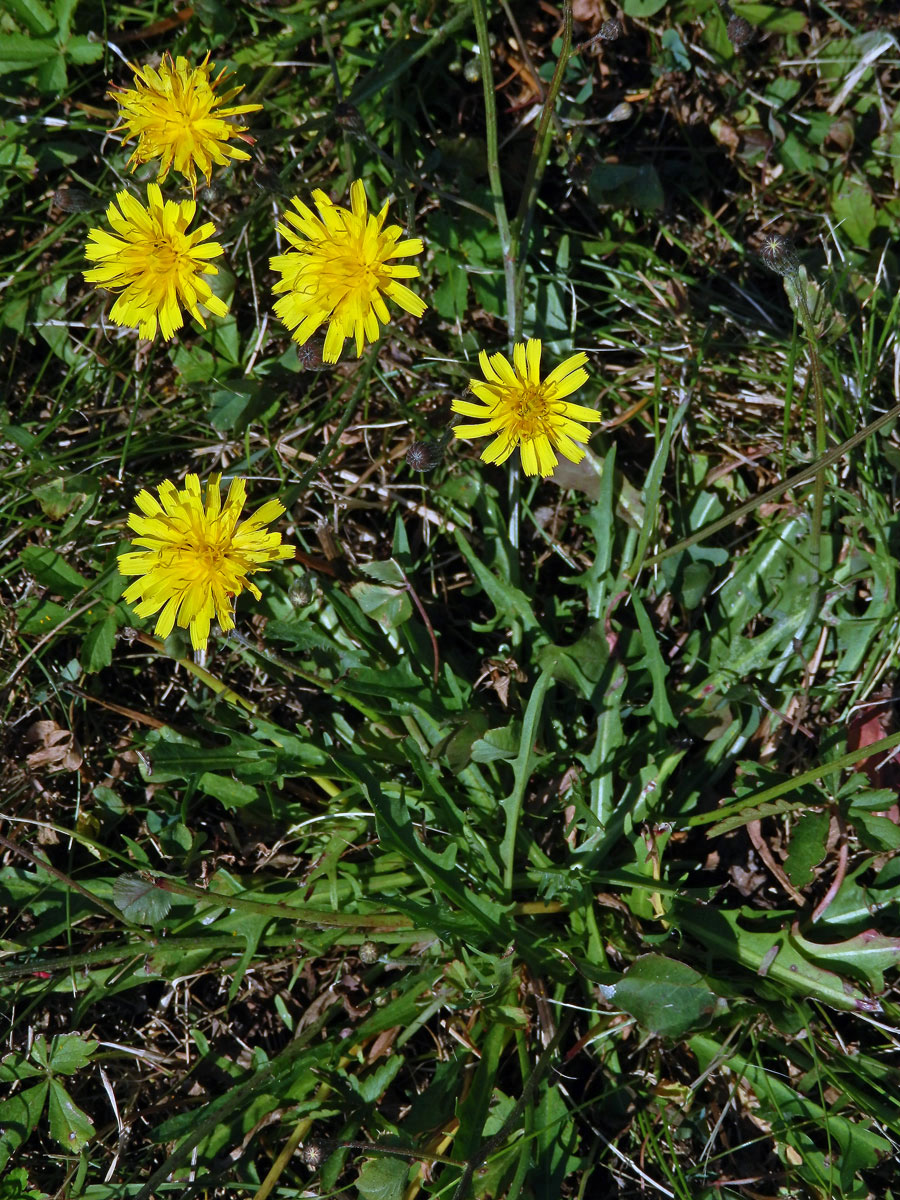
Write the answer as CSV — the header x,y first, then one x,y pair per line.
x,y
522,769
388,606
673,43
772,18
60,496
666,996
19,1117
642,8
580,665
869,954
99,643
622,185
22,53
510,602
389,571
232,407
140,901
807,847
14,1185
854,208
69,1126
774,808
395,830
69,1053
375,1084
52,571
40,1052
695,583
33,14
500,743
771,955
654,663
382,1179
40,618
556,1150
174,757
226,790
81,50
796,1120
879,833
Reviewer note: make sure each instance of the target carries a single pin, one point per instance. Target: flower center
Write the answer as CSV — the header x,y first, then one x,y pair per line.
x,y
165,257
530,408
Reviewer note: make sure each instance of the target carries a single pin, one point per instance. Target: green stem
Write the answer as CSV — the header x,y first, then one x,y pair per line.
x,y
651,490
346,418
514,496
778,489
521,228
61,876
327,685
795,287
512,805
493,166
798,781
302,916
492,1144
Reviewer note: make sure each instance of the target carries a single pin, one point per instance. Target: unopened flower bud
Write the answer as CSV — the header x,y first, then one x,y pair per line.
x,y
472,70
74,200
779,255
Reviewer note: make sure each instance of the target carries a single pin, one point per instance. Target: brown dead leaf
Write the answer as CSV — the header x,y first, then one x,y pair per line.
x,y
383,1043
58,749
589,13
867,726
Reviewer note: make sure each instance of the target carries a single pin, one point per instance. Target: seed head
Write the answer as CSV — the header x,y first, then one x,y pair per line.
x,y
779,255
740,32
310,353
424,456
610,31
312,1154
368,953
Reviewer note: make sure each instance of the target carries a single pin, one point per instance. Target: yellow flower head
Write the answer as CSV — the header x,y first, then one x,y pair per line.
x,y
525,411
177,117
154,262
195,558
339,267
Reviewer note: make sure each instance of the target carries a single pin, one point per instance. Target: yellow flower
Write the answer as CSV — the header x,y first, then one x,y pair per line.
x,y
525,411
338,269
154,262
195,559
177,117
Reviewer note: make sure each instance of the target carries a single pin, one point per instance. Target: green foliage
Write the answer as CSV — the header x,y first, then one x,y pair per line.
x,y
523,831
46,42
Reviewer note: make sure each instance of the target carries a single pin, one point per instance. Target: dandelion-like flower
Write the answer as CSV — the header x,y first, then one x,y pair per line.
x,y
177,117
341,263
195,557
154,262
525,411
